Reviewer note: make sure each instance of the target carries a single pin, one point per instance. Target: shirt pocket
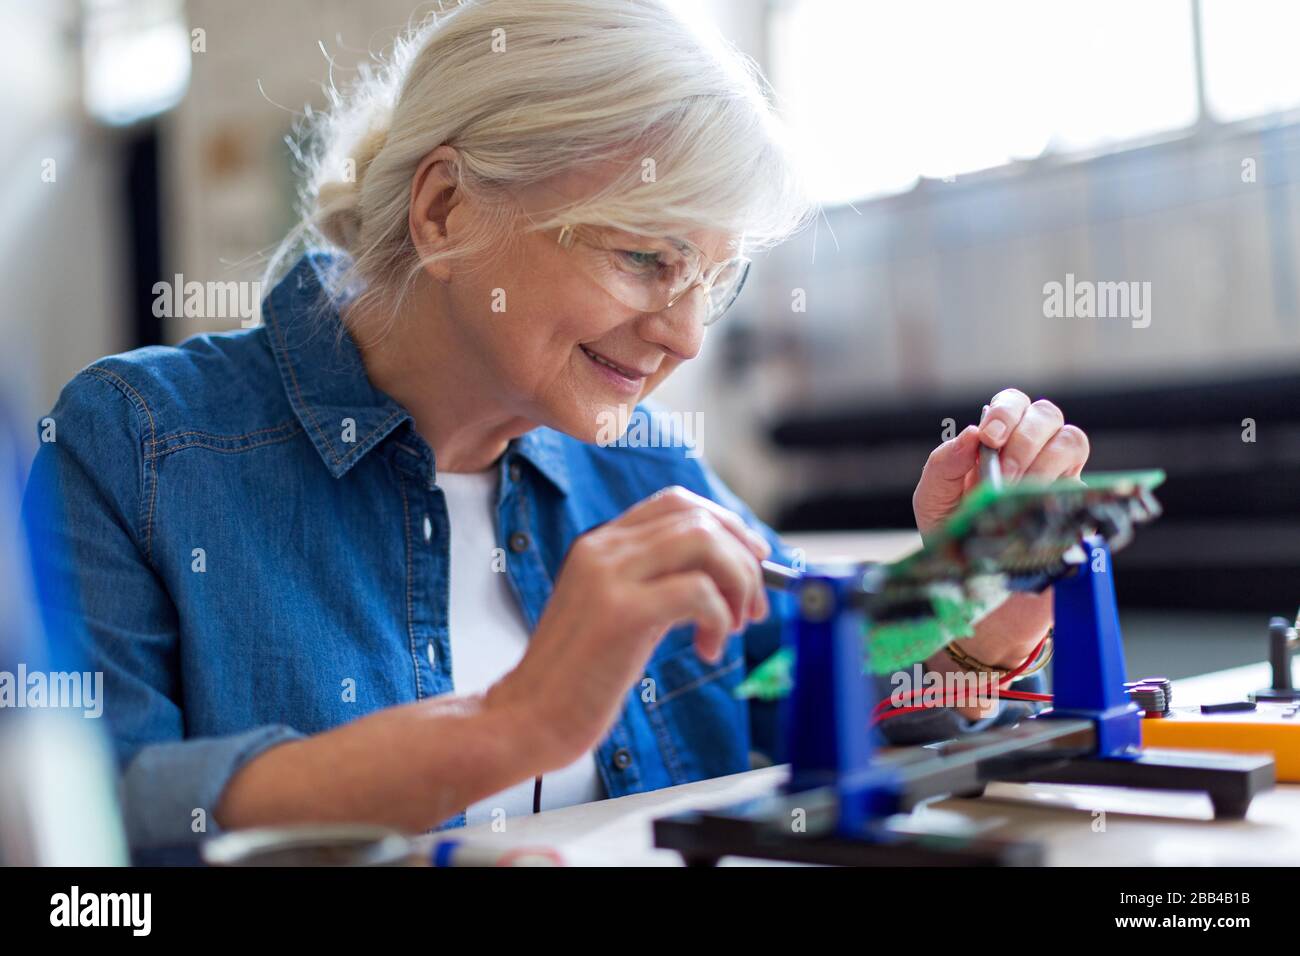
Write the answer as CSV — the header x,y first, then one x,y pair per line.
x,y
701,728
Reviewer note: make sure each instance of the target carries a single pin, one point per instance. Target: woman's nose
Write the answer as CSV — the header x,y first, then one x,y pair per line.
x,y
678,329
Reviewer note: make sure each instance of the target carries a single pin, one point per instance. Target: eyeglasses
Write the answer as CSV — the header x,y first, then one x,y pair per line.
x,y
651,275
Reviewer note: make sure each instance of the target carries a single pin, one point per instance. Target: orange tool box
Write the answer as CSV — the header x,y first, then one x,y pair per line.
x,y
1266,729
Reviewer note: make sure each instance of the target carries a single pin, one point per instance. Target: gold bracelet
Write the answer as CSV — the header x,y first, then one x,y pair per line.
x,y
970,663
967,662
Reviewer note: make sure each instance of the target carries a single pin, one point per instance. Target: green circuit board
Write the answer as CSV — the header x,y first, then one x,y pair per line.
x,y
1000,541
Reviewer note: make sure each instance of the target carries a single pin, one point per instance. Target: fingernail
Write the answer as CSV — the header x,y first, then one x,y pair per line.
x,y
761,541
995,430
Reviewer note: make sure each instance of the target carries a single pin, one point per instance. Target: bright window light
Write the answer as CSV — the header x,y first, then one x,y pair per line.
x,y
137,58
1250,57
879,94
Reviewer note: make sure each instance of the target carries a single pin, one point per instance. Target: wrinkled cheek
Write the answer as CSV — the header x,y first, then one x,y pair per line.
x,y
568,392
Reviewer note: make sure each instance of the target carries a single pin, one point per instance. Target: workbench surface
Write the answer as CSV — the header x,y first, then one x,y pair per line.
x,y
1077,826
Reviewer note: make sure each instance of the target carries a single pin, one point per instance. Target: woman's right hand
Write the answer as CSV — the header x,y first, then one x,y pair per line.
x,y
673,558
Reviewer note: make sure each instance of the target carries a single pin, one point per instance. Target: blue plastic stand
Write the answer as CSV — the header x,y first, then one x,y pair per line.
x,y
829,741
1088,661
830,746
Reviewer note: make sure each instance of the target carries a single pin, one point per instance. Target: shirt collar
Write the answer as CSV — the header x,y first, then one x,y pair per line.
x,y
544,448
343,414
323,375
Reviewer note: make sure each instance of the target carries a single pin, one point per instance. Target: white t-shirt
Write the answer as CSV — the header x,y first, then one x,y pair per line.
x,y
489,637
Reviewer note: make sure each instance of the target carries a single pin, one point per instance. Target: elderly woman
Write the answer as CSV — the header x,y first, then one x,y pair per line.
x,y
372,560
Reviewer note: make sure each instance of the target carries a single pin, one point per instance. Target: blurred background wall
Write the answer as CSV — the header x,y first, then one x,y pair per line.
x,y
967,154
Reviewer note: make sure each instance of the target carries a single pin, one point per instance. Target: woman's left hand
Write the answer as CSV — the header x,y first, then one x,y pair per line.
x,y
1033,441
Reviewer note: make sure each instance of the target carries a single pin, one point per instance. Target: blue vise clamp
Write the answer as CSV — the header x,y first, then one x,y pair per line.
x,y
1088,670
829,742
839,777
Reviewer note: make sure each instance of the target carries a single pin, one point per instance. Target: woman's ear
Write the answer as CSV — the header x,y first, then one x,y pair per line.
x,y
434,195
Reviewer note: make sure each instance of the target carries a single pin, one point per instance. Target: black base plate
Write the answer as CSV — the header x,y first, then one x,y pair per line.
x,y
1043,751
754,830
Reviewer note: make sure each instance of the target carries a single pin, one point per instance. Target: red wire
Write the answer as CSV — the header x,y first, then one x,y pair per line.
x,y
1024,695
882,709
1027,661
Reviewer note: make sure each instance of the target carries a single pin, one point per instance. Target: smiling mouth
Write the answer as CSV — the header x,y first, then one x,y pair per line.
x,y
627,373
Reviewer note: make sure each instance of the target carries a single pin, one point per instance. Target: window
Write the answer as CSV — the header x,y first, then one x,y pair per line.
x,y
879,94
137,58
1250,57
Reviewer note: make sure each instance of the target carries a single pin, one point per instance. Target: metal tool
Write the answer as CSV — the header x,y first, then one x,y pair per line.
x,y
343,844
778,576
1283,644
990,466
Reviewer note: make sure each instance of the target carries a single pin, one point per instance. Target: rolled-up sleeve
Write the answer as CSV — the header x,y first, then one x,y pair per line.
x,y
97,583
166,784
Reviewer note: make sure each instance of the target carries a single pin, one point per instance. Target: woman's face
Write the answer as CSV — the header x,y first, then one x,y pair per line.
x,y
559,349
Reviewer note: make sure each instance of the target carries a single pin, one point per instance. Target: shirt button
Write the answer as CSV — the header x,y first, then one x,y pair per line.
x,y
433,655
428,528
519,542
515,471
622,758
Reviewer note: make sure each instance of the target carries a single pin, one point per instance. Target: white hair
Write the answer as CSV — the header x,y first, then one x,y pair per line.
x,y
527,89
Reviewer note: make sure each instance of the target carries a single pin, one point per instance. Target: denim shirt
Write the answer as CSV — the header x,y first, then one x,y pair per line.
x,y
262,553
